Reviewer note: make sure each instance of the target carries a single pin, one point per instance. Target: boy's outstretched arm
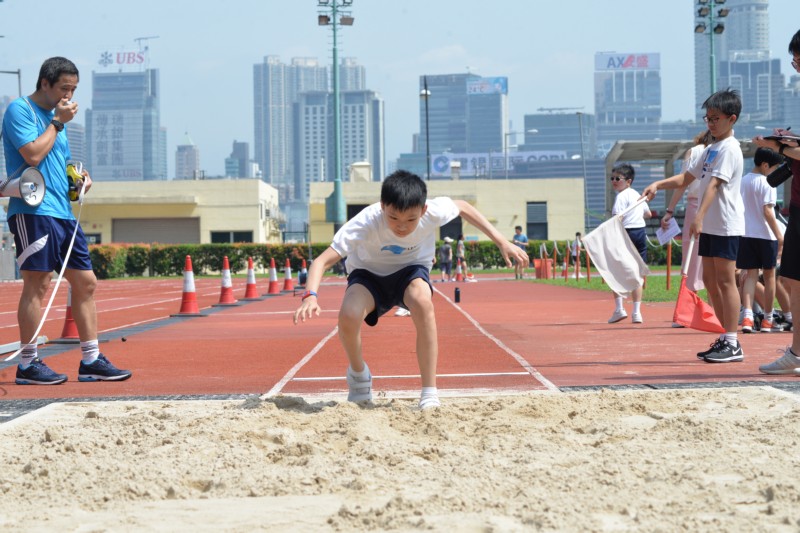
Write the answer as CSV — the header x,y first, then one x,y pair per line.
x,y
309,305
508,250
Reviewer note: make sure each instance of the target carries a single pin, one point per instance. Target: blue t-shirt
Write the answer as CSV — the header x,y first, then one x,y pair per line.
x,y
520,238
22,124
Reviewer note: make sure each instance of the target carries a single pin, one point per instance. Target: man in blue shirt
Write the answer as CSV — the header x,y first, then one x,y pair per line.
x,y
521,240
34,136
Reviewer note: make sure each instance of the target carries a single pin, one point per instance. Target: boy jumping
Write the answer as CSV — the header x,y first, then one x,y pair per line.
x,y
389,247
720,219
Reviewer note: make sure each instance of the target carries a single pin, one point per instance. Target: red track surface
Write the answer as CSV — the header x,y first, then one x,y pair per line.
x,y
504,336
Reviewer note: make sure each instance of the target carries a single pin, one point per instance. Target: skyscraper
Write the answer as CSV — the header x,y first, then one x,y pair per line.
x,y
187,160
627,88
352,76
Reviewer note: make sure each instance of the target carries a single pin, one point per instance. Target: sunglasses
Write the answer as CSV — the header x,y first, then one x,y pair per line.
x,y
617,178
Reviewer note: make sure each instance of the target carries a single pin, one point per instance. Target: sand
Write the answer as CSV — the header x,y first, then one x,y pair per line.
x,y
678,460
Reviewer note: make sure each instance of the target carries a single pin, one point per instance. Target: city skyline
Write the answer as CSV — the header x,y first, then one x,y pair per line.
x,y
206,70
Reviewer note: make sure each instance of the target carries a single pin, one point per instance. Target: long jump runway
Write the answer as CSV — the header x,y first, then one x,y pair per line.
x,y
504,337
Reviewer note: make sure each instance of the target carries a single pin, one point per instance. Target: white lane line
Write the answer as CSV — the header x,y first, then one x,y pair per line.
x,y
521,360
416,376
296,368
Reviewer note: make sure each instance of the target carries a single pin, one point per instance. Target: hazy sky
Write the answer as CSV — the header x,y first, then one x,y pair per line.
x,y
206,52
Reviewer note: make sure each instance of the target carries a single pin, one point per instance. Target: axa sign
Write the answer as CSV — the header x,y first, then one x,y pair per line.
x,y
122,58
614,61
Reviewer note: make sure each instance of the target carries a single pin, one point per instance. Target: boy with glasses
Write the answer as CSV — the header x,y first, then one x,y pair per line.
x,y
720,218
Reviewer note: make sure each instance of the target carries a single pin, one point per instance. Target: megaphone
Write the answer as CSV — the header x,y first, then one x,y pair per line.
x,y
29,187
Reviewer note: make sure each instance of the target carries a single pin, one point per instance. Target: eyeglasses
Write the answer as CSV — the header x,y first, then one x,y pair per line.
x,y
616,178
712,120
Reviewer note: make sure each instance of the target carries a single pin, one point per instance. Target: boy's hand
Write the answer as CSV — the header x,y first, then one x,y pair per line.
x,y
509,250
696,228
307,309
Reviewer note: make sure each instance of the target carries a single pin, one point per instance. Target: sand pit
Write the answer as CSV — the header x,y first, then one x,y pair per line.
x,y
682,460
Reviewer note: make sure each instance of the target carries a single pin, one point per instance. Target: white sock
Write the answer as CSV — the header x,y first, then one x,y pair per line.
x,y
27,355
732,338
429,398
637,308
618,300
89,352
787,316
748,313
359,376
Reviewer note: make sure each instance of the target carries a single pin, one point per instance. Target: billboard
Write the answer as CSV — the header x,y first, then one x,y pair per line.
x,y
615,61
488,86
123,60
485,164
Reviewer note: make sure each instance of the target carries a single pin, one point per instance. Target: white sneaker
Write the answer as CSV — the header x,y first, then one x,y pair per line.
x,y
637,318
786,364
360,389
617,316
402,311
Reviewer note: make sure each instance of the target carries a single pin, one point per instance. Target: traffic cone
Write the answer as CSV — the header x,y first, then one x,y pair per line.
x,y
226,292
459,275
288,284
251,291
70,331
274,287
303,275
189,297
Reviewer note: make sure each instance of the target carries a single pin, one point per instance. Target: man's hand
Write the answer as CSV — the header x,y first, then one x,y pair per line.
x,y
65,110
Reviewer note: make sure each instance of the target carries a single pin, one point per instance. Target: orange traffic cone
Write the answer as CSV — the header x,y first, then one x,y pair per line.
x,y
226,292
274,287
251,291
303,275
288,284
69,334
189,297
459,275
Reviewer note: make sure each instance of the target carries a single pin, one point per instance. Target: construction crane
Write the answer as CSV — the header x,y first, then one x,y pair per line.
x,y
556,109
140,39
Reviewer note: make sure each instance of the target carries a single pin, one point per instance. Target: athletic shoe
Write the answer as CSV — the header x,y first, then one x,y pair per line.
x,y
676,325
360,390
617,316
788,363
714,346
747,325
38,373
787,326
102,370
471,279
402,311
636,318
767,326
726,353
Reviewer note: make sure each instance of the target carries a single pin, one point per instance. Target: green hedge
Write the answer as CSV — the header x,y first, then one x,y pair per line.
x,y
119,260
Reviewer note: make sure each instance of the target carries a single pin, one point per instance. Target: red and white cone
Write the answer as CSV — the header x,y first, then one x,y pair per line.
x,y
274,286
189,297
288,284
226,292
70,330
251,291
459,274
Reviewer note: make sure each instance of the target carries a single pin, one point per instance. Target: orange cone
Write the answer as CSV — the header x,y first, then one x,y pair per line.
x,y
288,284
250,291
70,330
226,292
274,287
459,275
189,297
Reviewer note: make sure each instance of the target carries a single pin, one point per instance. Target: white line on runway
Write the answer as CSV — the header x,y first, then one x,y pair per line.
x,y
412,376
296,368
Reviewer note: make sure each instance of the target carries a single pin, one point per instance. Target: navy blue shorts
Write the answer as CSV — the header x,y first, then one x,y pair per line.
x,y
757,253
790,259
718,246
42,243
639,240
387,291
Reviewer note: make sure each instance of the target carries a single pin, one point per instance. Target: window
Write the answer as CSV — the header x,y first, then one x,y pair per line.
x,y
219,237
537,220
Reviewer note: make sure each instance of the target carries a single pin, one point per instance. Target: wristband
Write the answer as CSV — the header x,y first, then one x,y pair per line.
x,y
307,294
670,212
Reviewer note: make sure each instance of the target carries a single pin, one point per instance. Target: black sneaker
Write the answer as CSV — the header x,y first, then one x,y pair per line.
x,y
726,353
39,373
102,370
714,346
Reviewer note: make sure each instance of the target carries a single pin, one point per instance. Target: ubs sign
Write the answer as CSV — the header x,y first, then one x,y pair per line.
x,y
123,59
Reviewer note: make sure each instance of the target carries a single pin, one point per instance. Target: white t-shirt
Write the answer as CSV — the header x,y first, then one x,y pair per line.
x,y
367,242
695,153
635,217
756,193
723,160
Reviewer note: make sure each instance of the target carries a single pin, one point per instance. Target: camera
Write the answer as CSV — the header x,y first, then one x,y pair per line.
x,y
780,174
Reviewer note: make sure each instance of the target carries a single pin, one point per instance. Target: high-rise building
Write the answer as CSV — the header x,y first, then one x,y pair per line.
x,y
187,160
125,138
627,88
238,164
758,80
352,76
4,102
76,137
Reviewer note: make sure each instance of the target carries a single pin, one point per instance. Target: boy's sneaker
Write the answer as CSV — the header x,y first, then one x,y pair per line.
x,y
747,325
726,353
788,363
768,326
617,316
636,318
360,388
714,346
102,370
39,373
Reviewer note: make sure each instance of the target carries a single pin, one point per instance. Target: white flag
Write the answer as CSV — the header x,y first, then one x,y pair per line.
x,y
615,256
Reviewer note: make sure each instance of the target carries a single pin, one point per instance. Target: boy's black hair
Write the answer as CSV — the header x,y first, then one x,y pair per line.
x,y
403,190
794,44
518,228
767,155
726,101
52,69
624,170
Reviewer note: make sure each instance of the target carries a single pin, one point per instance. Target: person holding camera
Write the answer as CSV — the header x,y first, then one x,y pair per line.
x,y
788,145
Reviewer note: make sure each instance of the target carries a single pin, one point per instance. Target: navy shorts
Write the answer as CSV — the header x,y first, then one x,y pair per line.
x,y
387,291
718,246
639,240
790,259
42,243
757,253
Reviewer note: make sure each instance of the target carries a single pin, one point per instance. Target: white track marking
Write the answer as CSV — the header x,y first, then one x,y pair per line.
x,y
521,360
296,368
415,376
